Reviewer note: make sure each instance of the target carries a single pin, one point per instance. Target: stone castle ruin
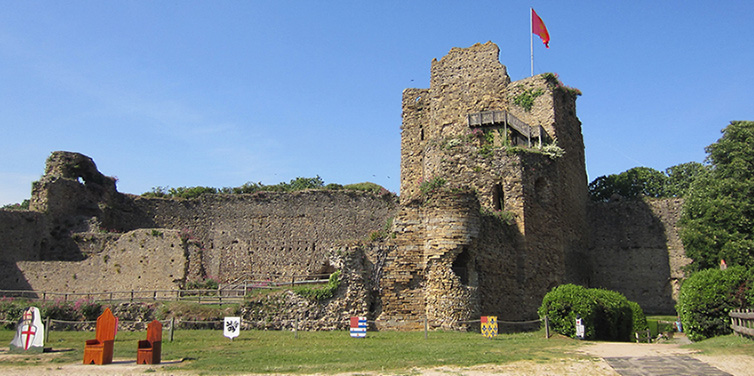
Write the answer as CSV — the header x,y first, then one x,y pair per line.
x,y
493,213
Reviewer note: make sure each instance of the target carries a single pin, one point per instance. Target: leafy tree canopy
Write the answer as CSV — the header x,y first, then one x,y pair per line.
x,y
717,222
644,181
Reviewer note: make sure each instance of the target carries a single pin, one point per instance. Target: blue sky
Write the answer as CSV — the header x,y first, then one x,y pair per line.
x,y
219,93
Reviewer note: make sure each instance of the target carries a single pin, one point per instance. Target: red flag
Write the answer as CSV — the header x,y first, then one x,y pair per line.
x,y
538,27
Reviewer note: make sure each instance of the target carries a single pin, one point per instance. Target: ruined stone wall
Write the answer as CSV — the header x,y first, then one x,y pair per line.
x,y
414,139
19,240
138,260
429,269
401,276
540,196
635,249
268,234
79,218
19,234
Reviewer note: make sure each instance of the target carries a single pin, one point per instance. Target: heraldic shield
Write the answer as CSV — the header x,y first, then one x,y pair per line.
x,y
30,332
489,326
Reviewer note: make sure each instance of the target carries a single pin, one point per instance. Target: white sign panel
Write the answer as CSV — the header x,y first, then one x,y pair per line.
x,y
232,327
579,328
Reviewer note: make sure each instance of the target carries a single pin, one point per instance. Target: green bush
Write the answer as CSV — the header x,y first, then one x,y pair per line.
x,y
639,318
11,310
321,293
607,315
206,284
89,309
707,296
59,310
84,309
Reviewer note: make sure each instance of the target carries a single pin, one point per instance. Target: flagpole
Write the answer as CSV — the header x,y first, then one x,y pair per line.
x,y
531,39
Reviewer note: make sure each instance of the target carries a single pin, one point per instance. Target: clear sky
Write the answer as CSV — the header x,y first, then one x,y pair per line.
x,y
219,93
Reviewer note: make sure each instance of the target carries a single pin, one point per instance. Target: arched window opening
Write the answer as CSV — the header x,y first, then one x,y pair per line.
x,y
542,190
461,266
498,199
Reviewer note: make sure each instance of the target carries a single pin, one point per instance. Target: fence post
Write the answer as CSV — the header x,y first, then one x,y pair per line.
x,y
172,326
48,329
547,327
295,328
426,326
132,295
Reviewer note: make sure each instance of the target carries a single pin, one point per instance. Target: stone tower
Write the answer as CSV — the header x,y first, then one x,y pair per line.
x,y
517,147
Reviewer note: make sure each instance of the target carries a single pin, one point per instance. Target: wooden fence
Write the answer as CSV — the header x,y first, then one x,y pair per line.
x,y
742,322
224,294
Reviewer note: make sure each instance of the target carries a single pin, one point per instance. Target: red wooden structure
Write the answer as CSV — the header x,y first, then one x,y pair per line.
x,y
149,351
100,350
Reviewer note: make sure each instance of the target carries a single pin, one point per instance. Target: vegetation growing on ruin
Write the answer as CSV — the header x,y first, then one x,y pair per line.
x,y
206,284
553,81
431,185
22,206
321,293
504,216
297,184
526,98
193,311
384,233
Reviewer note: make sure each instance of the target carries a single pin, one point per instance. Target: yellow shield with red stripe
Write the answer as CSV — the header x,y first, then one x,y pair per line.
x,y
489,326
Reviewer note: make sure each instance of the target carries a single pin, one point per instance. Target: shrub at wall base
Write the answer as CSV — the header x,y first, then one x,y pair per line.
x,y
607,315
707,297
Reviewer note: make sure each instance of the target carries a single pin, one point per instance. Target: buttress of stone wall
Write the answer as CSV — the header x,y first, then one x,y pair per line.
x,y
413,140
402,281
431,272
452,227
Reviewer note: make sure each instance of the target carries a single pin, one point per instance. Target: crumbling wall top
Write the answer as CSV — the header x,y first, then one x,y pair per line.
x,y
71,165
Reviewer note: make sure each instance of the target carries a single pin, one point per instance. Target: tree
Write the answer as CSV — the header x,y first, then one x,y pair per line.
x,y
681,176
717,222
633,183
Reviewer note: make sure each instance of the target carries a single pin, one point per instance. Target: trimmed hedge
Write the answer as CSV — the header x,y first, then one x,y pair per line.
x,y
707,296
607,315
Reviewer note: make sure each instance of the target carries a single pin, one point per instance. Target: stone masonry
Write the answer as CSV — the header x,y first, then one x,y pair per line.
x,y
492,214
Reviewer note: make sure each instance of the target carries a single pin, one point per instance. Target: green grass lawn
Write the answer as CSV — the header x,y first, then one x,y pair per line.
x,y
327,352
207,351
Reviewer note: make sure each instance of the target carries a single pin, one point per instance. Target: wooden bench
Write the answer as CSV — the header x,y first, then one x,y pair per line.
x,y
100,350
149,350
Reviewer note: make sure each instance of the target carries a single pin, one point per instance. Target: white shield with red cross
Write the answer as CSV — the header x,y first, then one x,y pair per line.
x,y
29,332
